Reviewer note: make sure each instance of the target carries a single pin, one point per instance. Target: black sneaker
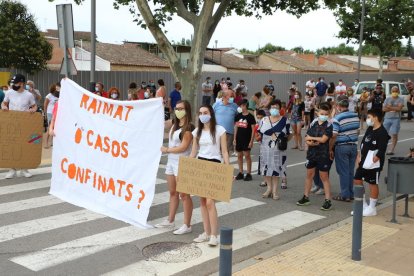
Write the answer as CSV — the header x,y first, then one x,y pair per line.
x,y
304,201
248,177
240,176
327,205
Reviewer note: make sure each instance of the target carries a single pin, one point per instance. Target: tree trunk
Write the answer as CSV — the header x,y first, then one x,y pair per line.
x,y
381,59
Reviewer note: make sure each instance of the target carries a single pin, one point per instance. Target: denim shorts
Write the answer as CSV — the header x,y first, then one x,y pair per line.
x,y
392,125
296,121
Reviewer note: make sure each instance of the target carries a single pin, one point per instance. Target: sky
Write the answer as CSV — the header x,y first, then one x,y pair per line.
x,y
314,30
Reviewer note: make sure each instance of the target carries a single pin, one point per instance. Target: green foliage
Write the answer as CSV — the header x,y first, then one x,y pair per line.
x,y
270,48
341,49
408,48
21,44
386,22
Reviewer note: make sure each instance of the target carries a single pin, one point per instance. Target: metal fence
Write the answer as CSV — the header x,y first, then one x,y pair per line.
x,y
254,80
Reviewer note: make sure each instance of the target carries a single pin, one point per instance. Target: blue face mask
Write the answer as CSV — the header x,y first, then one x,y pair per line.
x,y
27,87
323,118
274,112
231,100
204,118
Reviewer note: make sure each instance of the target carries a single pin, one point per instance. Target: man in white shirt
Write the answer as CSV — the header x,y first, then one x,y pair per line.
x,y
18,99
340,89
310,84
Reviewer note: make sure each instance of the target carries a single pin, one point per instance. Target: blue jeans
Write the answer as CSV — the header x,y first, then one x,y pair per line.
x,y
345,156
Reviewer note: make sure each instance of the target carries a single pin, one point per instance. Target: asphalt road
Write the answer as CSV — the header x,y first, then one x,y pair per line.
x,y
44,236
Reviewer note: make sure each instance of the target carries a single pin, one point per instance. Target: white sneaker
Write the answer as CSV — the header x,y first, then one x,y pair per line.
x,y
26,173
370,212
10,174
314,189
363,210
213,240
320,192
165,224
184,229
202,238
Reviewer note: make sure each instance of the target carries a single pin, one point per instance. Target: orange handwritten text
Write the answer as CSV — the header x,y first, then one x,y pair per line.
x,y
96,106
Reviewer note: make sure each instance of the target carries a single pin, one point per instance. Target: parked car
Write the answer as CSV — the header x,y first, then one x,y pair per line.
x,y
387,85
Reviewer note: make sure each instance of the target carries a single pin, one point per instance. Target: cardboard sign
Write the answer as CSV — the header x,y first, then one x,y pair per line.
x,y
205,179
21,136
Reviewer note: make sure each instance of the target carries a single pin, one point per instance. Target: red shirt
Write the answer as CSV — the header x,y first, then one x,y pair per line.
x,y
105,94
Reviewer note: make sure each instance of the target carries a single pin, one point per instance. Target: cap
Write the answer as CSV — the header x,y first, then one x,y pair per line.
x,y
18,78
343,101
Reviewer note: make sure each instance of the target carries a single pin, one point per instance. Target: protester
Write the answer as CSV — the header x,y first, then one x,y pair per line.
x,y
309,107
257,136
296,119
243,139
99,89
223,84
179,144
265,100
275,131
354,87
216,90
310,84
321,88
209,144
254,103
18,99
363,107
175,96
377,98
207,91
410,100
317,139
30,86
133,91
340,89
50,101
330,92
162,93
225,112
243,88
375,141
113,93
152,87
392,108
343,146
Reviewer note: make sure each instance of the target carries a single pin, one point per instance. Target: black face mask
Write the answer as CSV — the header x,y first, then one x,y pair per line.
x,y
15,87
56,94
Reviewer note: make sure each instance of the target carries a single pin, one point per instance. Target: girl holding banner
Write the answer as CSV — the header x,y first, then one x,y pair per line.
x,y
209,144
180,138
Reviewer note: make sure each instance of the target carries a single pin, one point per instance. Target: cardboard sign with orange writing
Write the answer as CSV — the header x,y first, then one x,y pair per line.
x,y
205,179
20,139
106,153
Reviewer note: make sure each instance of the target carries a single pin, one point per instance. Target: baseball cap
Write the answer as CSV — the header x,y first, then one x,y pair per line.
x,y
343,101
18,78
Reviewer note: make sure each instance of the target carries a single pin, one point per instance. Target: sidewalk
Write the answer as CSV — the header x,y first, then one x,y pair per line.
x,y
387,249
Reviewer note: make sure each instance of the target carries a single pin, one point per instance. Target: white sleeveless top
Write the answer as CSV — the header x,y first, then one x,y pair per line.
x,y
175,141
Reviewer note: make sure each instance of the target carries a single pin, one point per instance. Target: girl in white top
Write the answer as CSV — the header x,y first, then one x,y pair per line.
x,y
49,104
210,144
179,144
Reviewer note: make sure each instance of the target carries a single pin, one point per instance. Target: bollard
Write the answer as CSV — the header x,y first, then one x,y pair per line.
x,y
226,251
357,223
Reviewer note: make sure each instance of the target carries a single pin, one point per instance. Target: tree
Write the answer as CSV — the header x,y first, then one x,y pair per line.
x,y
204,16
22,46
386,22
409,47
341,49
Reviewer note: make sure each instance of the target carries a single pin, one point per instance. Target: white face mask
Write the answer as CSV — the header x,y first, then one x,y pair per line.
x,y
239,109
114,96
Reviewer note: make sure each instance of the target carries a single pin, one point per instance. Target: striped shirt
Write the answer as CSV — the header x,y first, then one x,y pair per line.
x,y
346,126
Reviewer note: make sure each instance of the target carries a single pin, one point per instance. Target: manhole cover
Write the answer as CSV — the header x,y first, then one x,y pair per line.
x,y
171,252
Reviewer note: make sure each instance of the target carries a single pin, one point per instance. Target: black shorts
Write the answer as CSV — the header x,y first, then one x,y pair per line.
x,y
322,164
369,176
242,144
307,113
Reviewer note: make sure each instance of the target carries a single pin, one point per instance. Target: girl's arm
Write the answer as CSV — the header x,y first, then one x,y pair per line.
x,y
223,146
187,137
235,134
45,105
194,148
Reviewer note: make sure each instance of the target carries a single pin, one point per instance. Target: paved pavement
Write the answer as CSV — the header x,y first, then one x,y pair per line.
x,y
39,234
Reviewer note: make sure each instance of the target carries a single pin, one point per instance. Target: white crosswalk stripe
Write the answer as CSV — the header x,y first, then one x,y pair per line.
x,y
38,171
82,247
17,188
242,237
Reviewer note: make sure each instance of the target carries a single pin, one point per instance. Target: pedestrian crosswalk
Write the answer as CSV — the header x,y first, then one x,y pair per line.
x,y
63,253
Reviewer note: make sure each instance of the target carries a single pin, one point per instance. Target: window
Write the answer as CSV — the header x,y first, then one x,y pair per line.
x,y
361,85
403,89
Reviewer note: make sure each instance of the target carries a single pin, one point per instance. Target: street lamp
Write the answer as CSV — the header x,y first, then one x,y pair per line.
x,y
361,37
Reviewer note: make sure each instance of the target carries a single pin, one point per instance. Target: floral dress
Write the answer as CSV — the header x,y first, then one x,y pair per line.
x,y
273,162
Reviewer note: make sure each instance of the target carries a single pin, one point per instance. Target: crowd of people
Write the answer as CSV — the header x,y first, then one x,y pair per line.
x,y
230,121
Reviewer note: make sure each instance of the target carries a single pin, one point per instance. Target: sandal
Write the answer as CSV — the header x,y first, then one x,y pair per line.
x,y
263,184
340,198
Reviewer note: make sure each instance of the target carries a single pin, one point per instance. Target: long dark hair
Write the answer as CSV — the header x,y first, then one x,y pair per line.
x,y
213,124
188,126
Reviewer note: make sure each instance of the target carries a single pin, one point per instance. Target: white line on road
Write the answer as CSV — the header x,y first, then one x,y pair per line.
x,y
242,238
17,188
42,170
82,247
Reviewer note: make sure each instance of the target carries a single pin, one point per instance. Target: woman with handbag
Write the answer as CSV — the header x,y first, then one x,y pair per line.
x,y
273,160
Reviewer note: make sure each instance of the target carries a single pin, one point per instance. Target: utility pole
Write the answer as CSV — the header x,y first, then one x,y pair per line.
x,y
361,37
93,44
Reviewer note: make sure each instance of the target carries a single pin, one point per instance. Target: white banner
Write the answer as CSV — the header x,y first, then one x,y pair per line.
x,y
106,153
